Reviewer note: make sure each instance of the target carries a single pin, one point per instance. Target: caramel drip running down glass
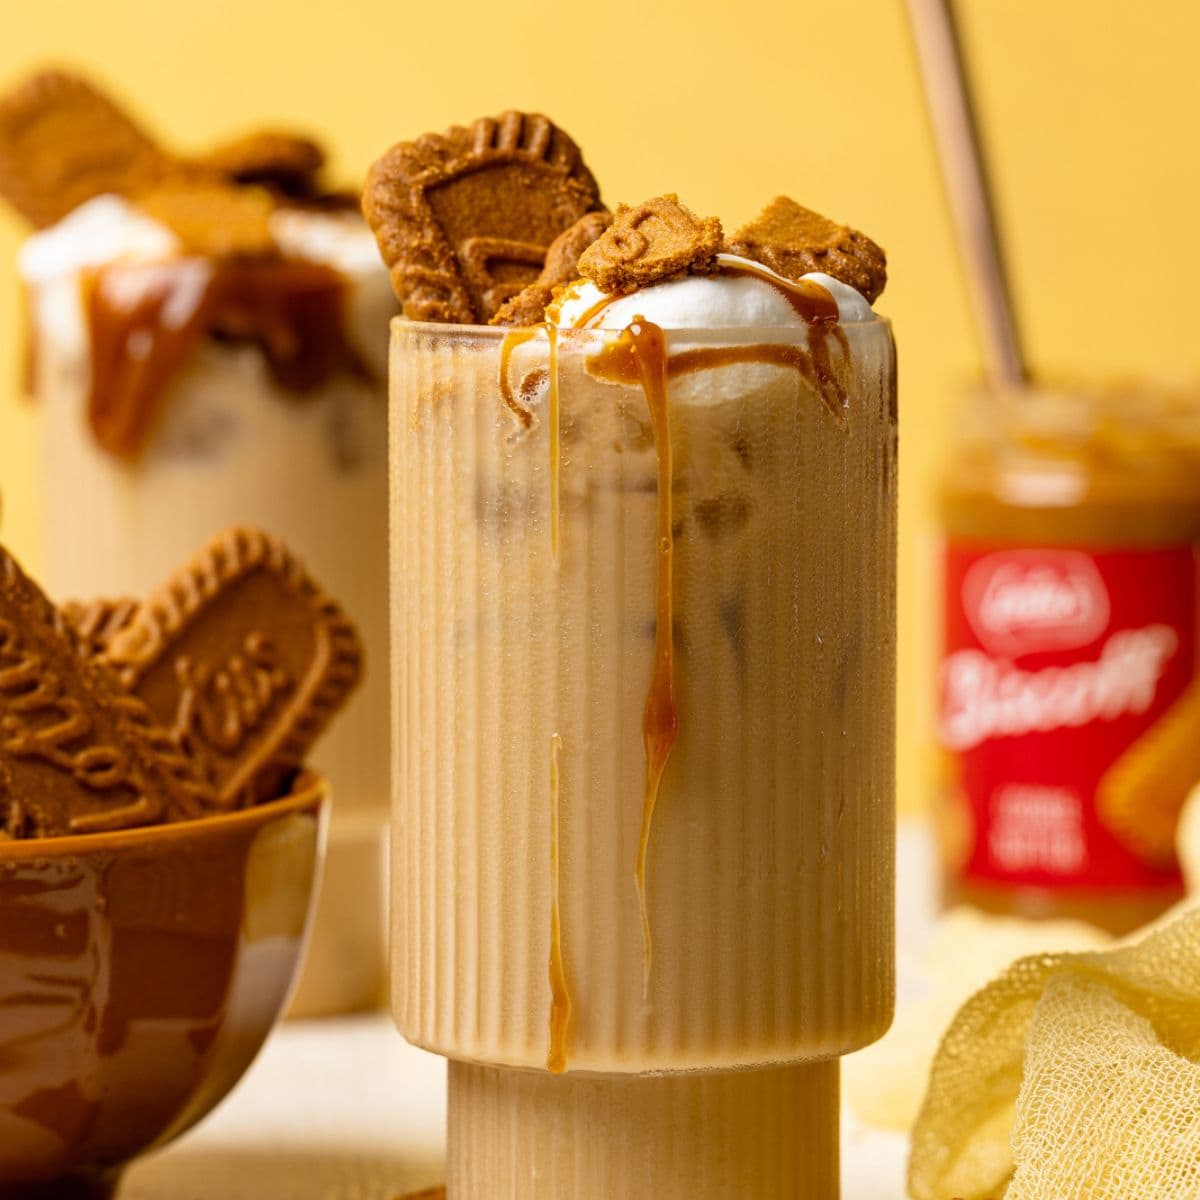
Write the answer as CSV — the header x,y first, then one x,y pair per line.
x,y
643,613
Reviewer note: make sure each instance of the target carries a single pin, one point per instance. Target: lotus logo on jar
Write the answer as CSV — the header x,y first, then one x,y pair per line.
x,y
1022,601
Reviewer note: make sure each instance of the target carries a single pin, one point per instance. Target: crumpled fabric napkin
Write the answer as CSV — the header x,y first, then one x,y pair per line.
x,y
1075,1076
1071,1077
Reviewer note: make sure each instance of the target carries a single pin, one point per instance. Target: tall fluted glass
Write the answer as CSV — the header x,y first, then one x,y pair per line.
x,y
615,554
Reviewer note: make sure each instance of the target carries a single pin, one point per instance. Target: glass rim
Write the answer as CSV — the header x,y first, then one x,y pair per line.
x,y
705,333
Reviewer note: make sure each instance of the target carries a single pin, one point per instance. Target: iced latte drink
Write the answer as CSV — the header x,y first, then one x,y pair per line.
x,y
207,348
643,634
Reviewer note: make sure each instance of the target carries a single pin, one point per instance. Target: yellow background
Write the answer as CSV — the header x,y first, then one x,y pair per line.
x,y
1090,108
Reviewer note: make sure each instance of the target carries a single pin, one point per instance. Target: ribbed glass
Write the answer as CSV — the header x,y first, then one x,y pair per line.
x,y
524,648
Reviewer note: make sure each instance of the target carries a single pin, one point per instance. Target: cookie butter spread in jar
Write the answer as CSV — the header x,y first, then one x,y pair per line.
x,y
1068,704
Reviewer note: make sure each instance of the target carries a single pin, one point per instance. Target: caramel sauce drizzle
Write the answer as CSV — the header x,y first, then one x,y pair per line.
x,y
30,364
560,995
617,364
511,341
639,355
146,320
816,307
593,314
660,718
812,303
555,437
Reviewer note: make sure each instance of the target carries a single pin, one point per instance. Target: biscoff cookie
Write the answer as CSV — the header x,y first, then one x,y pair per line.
x,y
96,622
794,240
243,658
649,242
528,306
78,754
1140,797
464,219
284,162
213,218
63,142
562,259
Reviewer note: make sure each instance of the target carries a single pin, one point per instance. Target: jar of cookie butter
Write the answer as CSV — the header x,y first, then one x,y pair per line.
x,y
1068,697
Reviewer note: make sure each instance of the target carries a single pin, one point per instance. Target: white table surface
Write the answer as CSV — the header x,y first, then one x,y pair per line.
x,y
344,1109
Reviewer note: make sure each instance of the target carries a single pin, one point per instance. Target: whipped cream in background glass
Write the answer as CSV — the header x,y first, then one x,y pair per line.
x,y
230,444
643,983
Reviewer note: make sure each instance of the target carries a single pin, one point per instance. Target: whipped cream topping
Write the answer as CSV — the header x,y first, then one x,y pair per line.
x,y
108,229
340,239
102,230
745,293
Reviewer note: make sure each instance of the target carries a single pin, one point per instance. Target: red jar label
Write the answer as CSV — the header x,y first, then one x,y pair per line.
x,y
1067,714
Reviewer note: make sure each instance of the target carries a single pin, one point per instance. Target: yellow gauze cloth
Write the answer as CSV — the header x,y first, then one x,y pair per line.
x,y
885,1083
1071,1077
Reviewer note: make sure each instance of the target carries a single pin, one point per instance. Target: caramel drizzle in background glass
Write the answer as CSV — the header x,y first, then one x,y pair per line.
x,y
146,320
638,355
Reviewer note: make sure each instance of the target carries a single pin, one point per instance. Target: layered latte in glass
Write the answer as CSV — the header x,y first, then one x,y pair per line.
x,y
643,613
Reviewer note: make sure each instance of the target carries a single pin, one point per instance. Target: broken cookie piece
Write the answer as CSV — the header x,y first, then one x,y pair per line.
x,y
649,242
527,307
794,241
63,142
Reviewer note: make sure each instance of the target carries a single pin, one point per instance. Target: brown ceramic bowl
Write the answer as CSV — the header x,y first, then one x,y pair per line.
x,y
140,973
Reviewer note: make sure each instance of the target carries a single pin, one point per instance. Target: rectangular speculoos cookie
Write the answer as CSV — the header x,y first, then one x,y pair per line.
x,y
243,658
